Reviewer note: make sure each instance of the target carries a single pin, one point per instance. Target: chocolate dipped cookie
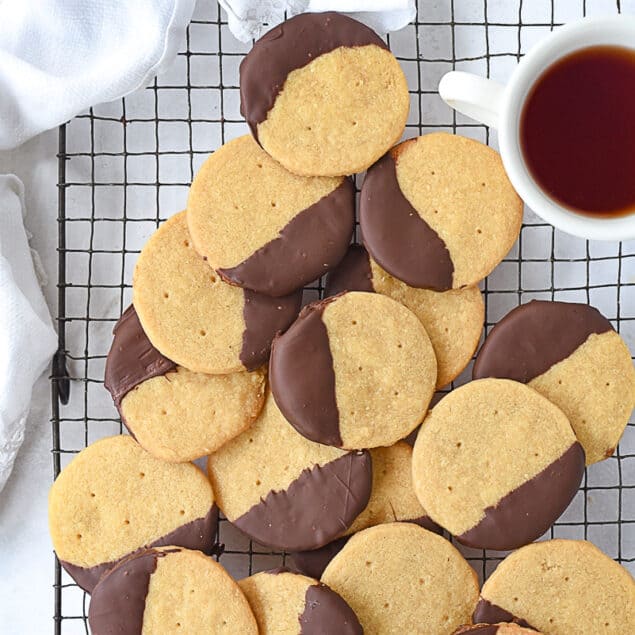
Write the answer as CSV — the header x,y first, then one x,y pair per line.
x,y
194,318
354,371
560,587
453,319
438,212
400,578
263,228
323,95
496,464
285,491
169,590
114,498
392,499
173,413
572,355
285,602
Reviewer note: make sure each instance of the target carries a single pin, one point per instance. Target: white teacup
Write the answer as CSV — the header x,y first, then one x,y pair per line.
x,y
500,107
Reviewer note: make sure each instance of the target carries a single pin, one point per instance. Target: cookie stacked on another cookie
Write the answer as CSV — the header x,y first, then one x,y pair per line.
x,y
114,498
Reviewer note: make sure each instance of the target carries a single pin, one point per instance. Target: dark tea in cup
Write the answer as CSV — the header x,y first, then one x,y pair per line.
x,y
577,131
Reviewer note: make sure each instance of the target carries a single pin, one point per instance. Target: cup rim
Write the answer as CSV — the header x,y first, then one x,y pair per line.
x,y
523,77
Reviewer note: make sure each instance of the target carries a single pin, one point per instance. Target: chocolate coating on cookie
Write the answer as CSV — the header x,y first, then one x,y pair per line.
x,y
307,247
132,359
287,47
313,563
118,605
322,502
264,317
352,274
528,511
309,388
533,337
198,534
485,611
401,241
326,612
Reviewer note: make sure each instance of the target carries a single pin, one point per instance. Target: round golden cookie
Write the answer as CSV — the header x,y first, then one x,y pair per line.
x,y
173,413
503,628
438,212
453,319
323,95
496,464
355,371
194,318
392,499
560,587
289,603
285,491
571,354
114,498
167,591
262,227
400,578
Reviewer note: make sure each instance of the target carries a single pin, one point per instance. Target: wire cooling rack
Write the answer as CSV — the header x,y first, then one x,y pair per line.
x,y
126,166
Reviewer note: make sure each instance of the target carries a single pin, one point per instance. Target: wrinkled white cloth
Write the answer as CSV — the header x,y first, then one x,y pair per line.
x,y
249,19
58,57
27,338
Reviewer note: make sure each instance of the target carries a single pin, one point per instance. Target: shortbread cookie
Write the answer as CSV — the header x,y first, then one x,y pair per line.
x,y
114,498
496,464
169,590
173,413
323,95
439,212
194,318
354,371
453,319
285,602
392,498
503,628
262,227
285,491
560,587
400,578
571,354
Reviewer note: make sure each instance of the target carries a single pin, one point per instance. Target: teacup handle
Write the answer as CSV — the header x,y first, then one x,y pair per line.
x,y
472,95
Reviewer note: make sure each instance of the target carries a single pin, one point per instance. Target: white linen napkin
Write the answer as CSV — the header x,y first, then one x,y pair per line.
x,y
58,57
27,338
249,19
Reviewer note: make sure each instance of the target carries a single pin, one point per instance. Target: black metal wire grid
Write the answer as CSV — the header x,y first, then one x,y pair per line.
x,y
125,167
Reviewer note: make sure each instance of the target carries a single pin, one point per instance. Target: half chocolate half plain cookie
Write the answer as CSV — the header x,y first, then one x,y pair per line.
x,y
114,498
439,212
355,371
262,227
496,464
392,499
571,354
323,95
453,319
194,318
286,602
560,587
173,413
285,491
169,590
